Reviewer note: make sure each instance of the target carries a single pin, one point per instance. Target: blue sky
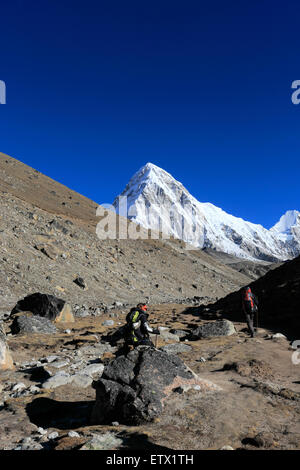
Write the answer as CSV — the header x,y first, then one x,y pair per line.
x,y
203,89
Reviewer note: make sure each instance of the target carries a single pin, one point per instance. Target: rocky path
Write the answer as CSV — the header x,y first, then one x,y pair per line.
x,y
47,400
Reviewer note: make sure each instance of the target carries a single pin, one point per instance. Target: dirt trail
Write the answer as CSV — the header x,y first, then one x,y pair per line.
x,y
258,407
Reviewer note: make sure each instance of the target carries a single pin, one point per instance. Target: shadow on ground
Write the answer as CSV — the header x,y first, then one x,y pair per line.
x,y
275,324
139,441
47,413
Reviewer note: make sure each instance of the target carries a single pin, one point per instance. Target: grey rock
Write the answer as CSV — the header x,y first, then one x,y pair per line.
x,y
42,431
82,313
57,381
51,358
214,328
19,387
77,365
29,444
202,359
167,336
176,348
108,323
122,369
93,369
60,364
32,363
197,387
97,349
132,388
106,441
278,336
186,388
34,389
82,380
73,434
179,333
24,324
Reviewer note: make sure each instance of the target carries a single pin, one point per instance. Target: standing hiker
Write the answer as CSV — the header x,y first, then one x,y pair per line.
x,y
249,303
138,328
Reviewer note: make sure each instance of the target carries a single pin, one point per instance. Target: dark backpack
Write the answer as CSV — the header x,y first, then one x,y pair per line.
x,y
130,315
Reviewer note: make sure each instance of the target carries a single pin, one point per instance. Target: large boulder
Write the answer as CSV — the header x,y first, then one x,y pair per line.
x,y
133,388
214,328
27,323
47,306
6,362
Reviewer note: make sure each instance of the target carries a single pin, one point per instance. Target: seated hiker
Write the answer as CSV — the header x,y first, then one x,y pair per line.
x,y
249,303
138,328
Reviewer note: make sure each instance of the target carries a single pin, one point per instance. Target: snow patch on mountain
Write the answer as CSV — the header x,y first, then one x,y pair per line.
x,y
157,201
289,221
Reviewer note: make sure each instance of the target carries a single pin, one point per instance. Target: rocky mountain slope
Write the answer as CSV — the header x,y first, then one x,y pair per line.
x,y
252,269
156,200
48,240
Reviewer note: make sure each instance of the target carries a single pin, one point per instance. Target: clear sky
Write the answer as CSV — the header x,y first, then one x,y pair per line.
x,y
96,89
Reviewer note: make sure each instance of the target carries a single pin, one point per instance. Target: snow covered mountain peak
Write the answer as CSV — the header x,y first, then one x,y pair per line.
x,y
149,169
151,173
289,220
157,201
151,166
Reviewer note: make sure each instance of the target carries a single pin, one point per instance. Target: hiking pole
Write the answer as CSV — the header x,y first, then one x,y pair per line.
x,y
156,338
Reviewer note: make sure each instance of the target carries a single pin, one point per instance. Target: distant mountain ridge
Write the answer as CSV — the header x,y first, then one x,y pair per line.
x,y
157,201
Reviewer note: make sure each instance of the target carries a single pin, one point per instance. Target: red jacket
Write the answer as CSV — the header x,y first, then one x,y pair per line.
x,y
249,300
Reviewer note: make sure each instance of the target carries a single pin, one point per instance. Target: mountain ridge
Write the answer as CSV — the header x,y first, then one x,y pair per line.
x,y
155,200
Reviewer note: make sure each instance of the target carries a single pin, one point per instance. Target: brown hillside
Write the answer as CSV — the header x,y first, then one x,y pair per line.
x,y
48,238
